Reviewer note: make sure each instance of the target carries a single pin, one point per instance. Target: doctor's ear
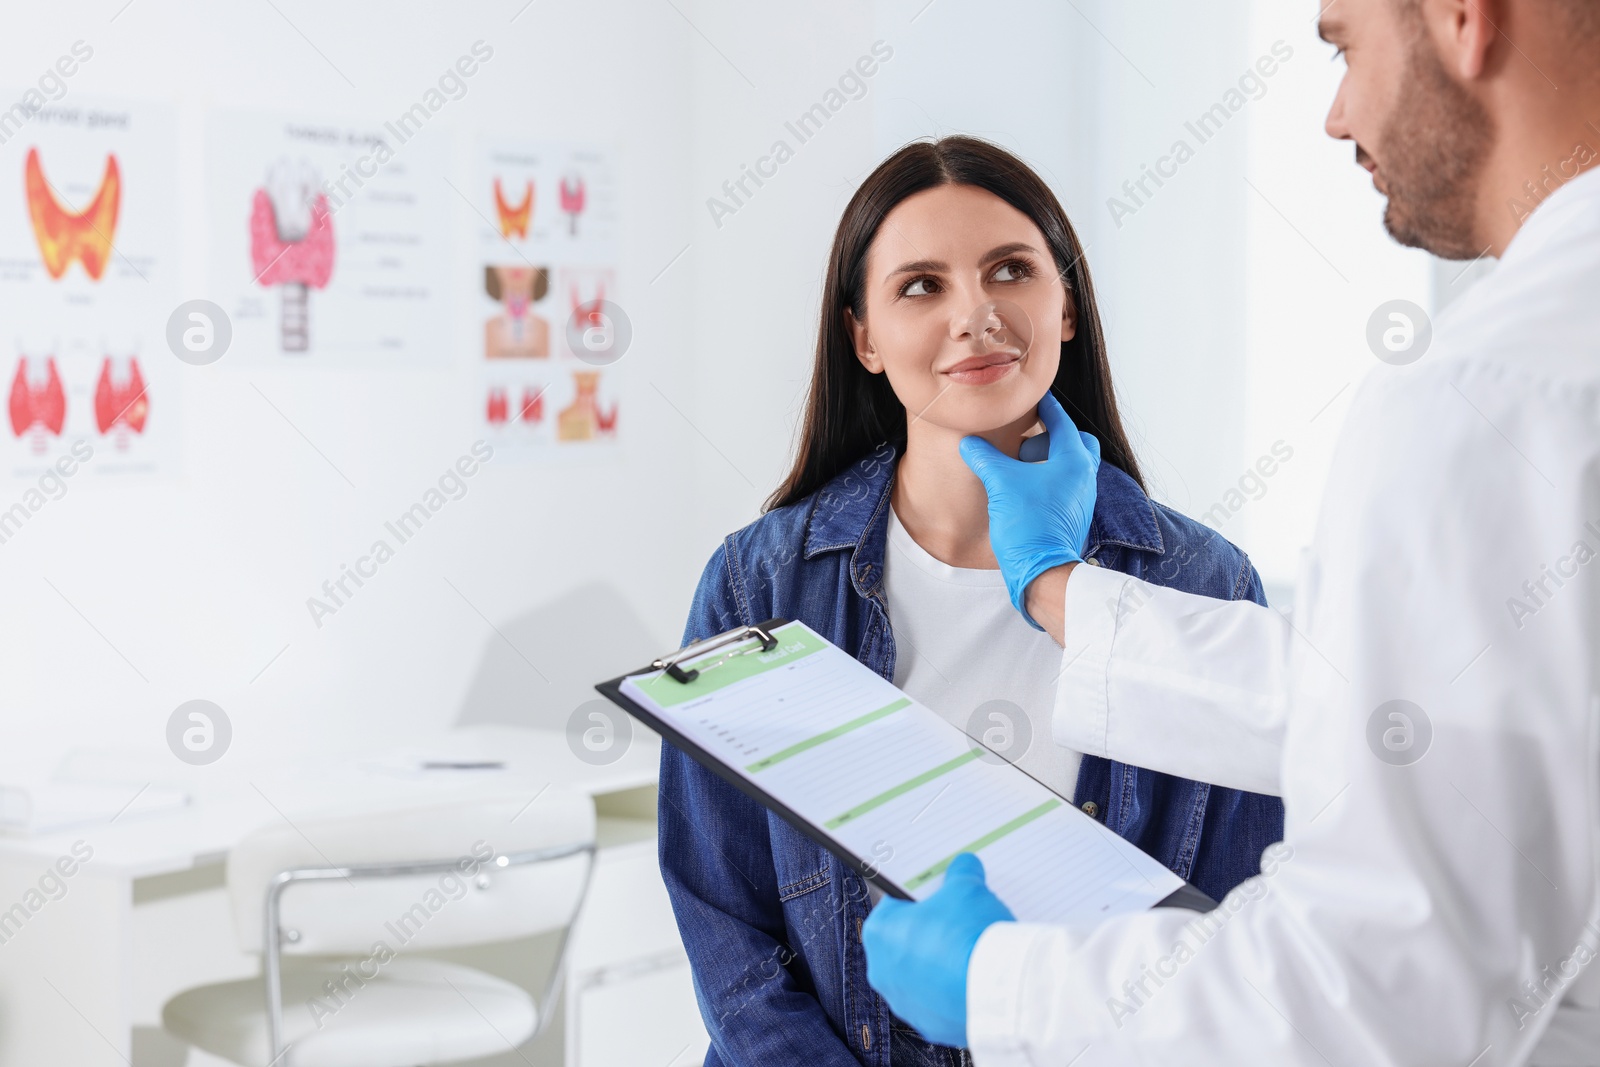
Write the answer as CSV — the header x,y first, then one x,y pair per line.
x,y
863,343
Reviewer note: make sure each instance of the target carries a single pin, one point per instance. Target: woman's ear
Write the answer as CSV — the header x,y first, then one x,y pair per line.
x,y
1069,318
863,343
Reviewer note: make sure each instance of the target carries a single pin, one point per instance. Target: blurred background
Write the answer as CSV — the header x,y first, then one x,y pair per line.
x,y
378,321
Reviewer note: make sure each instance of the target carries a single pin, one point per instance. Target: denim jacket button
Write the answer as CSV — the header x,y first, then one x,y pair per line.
x,y
1091,809
1091,561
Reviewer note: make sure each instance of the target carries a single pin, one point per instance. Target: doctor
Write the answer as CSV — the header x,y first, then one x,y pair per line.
x,y
1429,715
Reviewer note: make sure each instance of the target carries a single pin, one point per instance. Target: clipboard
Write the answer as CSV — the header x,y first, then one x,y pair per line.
x,y
673,665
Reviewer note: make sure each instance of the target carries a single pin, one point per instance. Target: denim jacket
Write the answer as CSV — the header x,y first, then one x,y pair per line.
x,y
772,922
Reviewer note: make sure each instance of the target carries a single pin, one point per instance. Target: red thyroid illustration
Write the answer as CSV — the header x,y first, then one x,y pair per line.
x,y
497,406
532,409
572,197
292,252
64,235
124,407
514,220
589,311
42,410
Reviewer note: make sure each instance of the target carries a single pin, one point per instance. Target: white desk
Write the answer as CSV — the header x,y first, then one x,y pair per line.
x,y
146,916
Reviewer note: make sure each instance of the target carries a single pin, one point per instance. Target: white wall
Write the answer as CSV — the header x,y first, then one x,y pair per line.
x,y
758,273
1319,264
1167,275
201,580
1228,331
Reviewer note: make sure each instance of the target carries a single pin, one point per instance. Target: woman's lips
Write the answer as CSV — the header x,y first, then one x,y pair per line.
x,y
981,370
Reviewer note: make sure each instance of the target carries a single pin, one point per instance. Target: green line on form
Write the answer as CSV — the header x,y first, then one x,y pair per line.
x,y
827,735
987,839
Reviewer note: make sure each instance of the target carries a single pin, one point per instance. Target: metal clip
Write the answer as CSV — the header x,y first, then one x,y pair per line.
x,y
670,664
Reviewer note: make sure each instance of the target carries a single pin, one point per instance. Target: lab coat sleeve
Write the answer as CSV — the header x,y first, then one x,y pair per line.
x,y
1435,896
1172,681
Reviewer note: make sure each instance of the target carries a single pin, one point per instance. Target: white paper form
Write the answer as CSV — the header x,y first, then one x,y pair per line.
x,y
893,784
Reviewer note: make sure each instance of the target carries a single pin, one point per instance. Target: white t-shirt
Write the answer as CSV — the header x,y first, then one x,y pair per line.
x,y
964,651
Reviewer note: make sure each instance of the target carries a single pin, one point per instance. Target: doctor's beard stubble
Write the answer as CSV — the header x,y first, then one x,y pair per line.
x,y
1434,144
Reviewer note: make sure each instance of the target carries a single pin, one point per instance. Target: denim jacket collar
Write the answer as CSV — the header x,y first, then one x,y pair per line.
x,y
845,514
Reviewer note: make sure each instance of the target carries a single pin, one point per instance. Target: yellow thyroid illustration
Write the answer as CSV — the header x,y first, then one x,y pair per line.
x,y
65,235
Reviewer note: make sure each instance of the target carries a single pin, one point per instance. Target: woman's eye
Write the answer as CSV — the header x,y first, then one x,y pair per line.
x,y
1013,272
918,287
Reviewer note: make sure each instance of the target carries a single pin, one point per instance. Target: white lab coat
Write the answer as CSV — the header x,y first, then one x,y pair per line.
x,y
1441,912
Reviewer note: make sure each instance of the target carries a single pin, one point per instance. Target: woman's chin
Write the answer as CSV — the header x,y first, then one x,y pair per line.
x,y
980,426
977,414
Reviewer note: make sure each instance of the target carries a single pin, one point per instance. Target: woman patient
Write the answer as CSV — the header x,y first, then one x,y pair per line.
x,y
956,301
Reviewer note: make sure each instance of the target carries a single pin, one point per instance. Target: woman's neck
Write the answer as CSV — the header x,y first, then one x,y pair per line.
x,y
938,499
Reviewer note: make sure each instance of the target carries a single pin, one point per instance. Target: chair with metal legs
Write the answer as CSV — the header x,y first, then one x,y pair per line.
x,y
343,911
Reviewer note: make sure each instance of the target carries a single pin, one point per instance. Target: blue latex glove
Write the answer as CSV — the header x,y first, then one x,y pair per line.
x,y
917,953
1038,512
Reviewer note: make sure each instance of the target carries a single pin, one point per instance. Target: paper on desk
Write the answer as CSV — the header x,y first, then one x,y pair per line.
x,y
47,807
896,786
431,765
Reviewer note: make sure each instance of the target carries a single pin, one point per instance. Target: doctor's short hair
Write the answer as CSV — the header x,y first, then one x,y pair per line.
x,y
1579,18
851,411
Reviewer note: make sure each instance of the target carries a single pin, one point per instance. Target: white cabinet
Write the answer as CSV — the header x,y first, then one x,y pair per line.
x,y
630,997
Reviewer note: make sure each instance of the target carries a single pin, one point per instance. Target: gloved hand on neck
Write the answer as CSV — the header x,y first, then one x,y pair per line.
x,y
1039,512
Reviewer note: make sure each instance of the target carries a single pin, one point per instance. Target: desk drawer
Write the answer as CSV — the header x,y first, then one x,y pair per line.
x,y
627,916
649,1018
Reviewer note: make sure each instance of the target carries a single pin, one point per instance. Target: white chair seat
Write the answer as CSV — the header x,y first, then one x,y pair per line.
x,y
408,1014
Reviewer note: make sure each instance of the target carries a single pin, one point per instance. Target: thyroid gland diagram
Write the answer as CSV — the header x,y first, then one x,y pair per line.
x,y
121,408
291,246
64,235
38,409
529,412
583,419
514,220
586,314
572,200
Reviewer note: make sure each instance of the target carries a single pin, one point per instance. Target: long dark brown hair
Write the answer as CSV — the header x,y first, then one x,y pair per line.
x,y
850,410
